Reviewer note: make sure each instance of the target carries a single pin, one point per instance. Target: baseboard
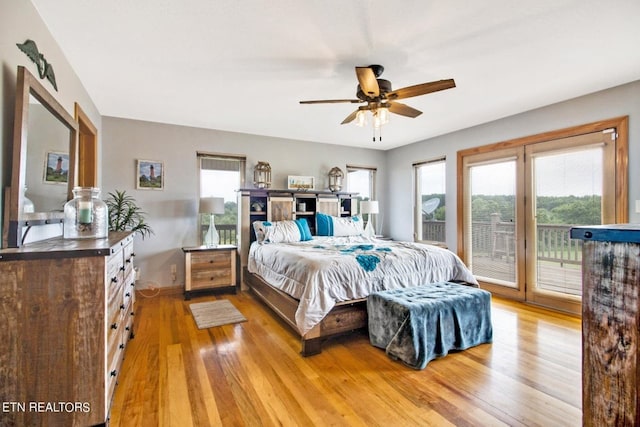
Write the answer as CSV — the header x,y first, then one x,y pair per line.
x,y
163,290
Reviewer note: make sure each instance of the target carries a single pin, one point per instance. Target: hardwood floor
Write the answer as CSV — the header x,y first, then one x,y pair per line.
x,y
251,374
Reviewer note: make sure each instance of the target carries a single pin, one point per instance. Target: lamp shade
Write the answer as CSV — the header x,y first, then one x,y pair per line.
x,y
369,207
211,205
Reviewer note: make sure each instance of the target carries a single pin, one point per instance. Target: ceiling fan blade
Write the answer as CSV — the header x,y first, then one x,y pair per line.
x,y
332,101
368,81
350,117
403,110
421,89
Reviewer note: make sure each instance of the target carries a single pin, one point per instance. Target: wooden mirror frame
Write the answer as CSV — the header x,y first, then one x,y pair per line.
x,y
28,85
87,172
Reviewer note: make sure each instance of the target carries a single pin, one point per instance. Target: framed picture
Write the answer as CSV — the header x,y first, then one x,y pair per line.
x,y
150,175
56,167
296,182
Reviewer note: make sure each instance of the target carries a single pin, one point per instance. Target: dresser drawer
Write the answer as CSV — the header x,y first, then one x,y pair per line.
x,y
114,270
115,304
128,255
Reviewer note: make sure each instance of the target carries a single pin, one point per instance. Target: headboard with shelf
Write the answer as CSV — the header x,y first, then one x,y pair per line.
x,y
276,205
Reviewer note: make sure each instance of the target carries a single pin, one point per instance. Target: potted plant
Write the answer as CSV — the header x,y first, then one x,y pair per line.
x,y
126,215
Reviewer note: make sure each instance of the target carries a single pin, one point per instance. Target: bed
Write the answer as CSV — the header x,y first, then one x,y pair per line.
x,y
319,285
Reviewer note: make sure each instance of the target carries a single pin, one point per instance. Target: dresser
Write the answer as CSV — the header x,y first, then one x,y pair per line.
x,y
209,269
67,311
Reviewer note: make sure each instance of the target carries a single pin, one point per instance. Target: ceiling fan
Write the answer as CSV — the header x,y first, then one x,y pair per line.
x,y
380,97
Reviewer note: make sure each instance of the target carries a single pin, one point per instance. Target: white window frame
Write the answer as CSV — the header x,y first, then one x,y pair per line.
x,y
417,197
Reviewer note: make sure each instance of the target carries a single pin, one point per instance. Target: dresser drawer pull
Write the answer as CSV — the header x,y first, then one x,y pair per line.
x,y
122,268
122,307
114,279
133,284
114,373
127,295
127,328
128,261
121,346
114,326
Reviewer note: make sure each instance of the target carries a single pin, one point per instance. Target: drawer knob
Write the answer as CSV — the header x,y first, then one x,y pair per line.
x,y
114,326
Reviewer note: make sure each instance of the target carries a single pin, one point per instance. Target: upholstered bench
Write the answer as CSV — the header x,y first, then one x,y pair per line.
x,y
416,325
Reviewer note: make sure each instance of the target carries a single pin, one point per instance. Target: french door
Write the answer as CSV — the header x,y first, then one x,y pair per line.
x,y
519,202
494,219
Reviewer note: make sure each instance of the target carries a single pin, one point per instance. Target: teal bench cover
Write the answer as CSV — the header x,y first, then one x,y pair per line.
x,y
418,324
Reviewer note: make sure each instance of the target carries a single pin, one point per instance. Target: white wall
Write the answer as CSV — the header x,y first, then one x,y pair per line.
x,y
20,21
172,211
619,101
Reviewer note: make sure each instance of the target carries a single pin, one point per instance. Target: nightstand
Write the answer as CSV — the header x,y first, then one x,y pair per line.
x,y
209,269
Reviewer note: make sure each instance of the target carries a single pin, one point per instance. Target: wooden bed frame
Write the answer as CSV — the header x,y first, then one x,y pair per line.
x,y
345,317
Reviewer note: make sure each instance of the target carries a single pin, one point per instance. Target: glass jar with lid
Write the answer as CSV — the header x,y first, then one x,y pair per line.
x,y
85,216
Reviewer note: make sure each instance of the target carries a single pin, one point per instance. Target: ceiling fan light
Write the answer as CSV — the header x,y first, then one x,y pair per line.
x,y
361,118
383,113
380,117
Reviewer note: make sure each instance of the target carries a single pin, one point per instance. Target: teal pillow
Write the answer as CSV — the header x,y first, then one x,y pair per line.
x,y
303,227
324,225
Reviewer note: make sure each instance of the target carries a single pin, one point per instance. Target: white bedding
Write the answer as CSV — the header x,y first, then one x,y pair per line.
x,y
327,270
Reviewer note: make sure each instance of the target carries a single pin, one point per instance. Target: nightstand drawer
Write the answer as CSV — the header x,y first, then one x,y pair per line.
x,y
210,278
210,260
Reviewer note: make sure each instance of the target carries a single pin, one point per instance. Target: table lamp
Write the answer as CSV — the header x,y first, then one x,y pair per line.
x,y
369,207
211,206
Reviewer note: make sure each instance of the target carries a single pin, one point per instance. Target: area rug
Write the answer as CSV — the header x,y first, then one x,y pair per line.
x,y
215,313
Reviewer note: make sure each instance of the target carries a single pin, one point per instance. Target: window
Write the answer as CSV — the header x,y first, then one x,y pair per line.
x,y
222,176
362,180
430,178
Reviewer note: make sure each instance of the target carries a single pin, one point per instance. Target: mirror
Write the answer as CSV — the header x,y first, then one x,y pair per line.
x,y
44,159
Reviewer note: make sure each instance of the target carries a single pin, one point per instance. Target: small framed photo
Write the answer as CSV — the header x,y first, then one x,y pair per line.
x,y
296,182
150,175
56,167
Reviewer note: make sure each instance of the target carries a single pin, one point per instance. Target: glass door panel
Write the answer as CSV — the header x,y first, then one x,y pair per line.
x,y
491,247
568,192
568,187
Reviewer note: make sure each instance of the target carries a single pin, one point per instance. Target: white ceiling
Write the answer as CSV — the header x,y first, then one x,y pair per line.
x,y
244,65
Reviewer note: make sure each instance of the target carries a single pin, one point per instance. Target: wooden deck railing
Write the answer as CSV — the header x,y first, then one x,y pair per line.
x,y
497,239
228,233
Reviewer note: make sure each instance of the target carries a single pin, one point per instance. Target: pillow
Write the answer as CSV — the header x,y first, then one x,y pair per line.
x,y
282,231
327,225
259,228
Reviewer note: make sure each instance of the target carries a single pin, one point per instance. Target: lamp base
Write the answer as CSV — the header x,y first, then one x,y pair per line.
x,y
211,238
368,230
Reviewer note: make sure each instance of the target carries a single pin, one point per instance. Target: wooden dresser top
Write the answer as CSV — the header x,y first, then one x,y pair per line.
x,y
68,248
